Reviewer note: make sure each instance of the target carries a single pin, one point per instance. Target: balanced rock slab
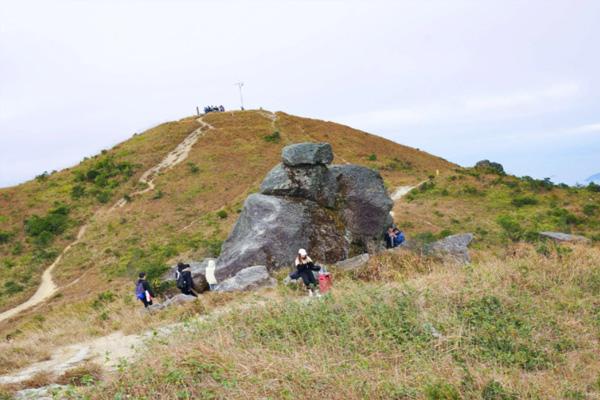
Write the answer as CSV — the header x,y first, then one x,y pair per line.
x,y
307,154
315,183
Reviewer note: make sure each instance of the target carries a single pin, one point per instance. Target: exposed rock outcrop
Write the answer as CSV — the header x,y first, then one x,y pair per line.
x,y
564,237
452,248
353,263
247,279
334,212
173,301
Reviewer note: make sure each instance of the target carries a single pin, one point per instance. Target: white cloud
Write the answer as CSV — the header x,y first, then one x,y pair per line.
x,y
590,128
483,107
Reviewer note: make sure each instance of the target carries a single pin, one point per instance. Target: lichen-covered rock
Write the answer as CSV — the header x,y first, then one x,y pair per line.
x,y
564,237
365,204
271,229
247,279
452,248
307,154
315,183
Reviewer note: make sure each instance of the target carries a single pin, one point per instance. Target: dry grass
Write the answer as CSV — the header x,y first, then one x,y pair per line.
x,y
374,339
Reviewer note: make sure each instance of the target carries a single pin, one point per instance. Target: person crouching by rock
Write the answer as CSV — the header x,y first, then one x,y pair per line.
x,y
143,291
183,279
304,269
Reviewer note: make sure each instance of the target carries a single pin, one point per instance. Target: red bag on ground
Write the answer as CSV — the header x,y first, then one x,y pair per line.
x,y
325,282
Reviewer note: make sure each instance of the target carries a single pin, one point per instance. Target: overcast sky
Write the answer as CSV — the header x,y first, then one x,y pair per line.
x,y
516,82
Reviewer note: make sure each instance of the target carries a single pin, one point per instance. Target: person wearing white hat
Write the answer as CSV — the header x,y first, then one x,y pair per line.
x,y
304,269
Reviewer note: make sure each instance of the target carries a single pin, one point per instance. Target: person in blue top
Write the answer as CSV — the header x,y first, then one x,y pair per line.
x,y
394,237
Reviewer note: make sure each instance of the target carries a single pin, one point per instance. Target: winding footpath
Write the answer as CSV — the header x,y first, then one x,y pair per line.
x,y
47,286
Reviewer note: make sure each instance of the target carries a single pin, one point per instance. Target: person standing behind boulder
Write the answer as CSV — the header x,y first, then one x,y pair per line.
x,y
143,291
184,280
304,269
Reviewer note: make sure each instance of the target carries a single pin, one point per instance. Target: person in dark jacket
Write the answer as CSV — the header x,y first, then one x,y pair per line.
x,y
185,282
304,269
390,238
143,291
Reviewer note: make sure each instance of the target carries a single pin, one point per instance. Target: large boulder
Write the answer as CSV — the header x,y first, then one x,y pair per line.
x,y
453,248
271,229
307,154
247,279
564,237
365,205
315,183
334,212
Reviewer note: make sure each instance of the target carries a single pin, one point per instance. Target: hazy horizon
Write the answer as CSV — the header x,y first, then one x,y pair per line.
x,y
506,81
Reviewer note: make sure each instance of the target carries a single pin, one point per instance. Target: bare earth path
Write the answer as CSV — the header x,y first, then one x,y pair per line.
x,y
47,287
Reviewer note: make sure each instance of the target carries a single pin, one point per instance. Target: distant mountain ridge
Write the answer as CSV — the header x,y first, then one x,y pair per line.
x,y
594,178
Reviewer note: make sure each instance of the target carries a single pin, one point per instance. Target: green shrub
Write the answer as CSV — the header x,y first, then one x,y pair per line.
x,y
158,195
494,391
77,191
593,187
511,227
590,209
372,157
43,177
43,229
222,214
524,201
274,137
194,169
499,333
12,287
5,237
441,391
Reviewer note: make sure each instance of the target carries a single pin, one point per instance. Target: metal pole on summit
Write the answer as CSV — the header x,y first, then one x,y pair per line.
x,y
240,85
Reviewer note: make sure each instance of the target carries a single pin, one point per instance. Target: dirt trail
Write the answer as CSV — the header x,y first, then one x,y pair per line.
x,y
47,286
402,191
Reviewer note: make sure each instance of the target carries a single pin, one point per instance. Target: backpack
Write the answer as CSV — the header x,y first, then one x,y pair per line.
x,y
181,281
140,293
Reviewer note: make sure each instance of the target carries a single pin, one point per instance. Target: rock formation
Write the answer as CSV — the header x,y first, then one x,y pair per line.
x,y
335,212
564,237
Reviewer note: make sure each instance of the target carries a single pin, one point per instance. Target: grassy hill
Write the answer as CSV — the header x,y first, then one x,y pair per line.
x,y
374,338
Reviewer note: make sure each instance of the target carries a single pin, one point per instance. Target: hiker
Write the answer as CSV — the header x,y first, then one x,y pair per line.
x,y
399,237
143,291
304,269
390,238
183,279
221,108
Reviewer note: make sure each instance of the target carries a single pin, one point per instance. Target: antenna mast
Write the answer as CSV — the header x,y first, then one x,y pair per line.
x,y
240,85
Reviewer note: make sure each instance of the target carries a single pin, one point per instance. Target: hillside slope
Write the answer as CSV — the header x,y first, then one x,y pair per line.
x,y
179,216
510,325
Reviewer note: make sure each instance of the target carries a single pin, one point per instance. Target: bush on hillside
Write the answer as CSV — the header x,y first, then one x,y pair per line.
x,y
490,167
274,137
45,228
512,229
43,177
194,169
5,237
593,187
524,201
77,192
372,157
590,209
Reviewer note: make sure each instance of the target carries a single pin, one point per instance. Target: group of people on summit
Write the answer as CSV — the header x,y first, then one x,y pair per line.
x,y
209,109
305,268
